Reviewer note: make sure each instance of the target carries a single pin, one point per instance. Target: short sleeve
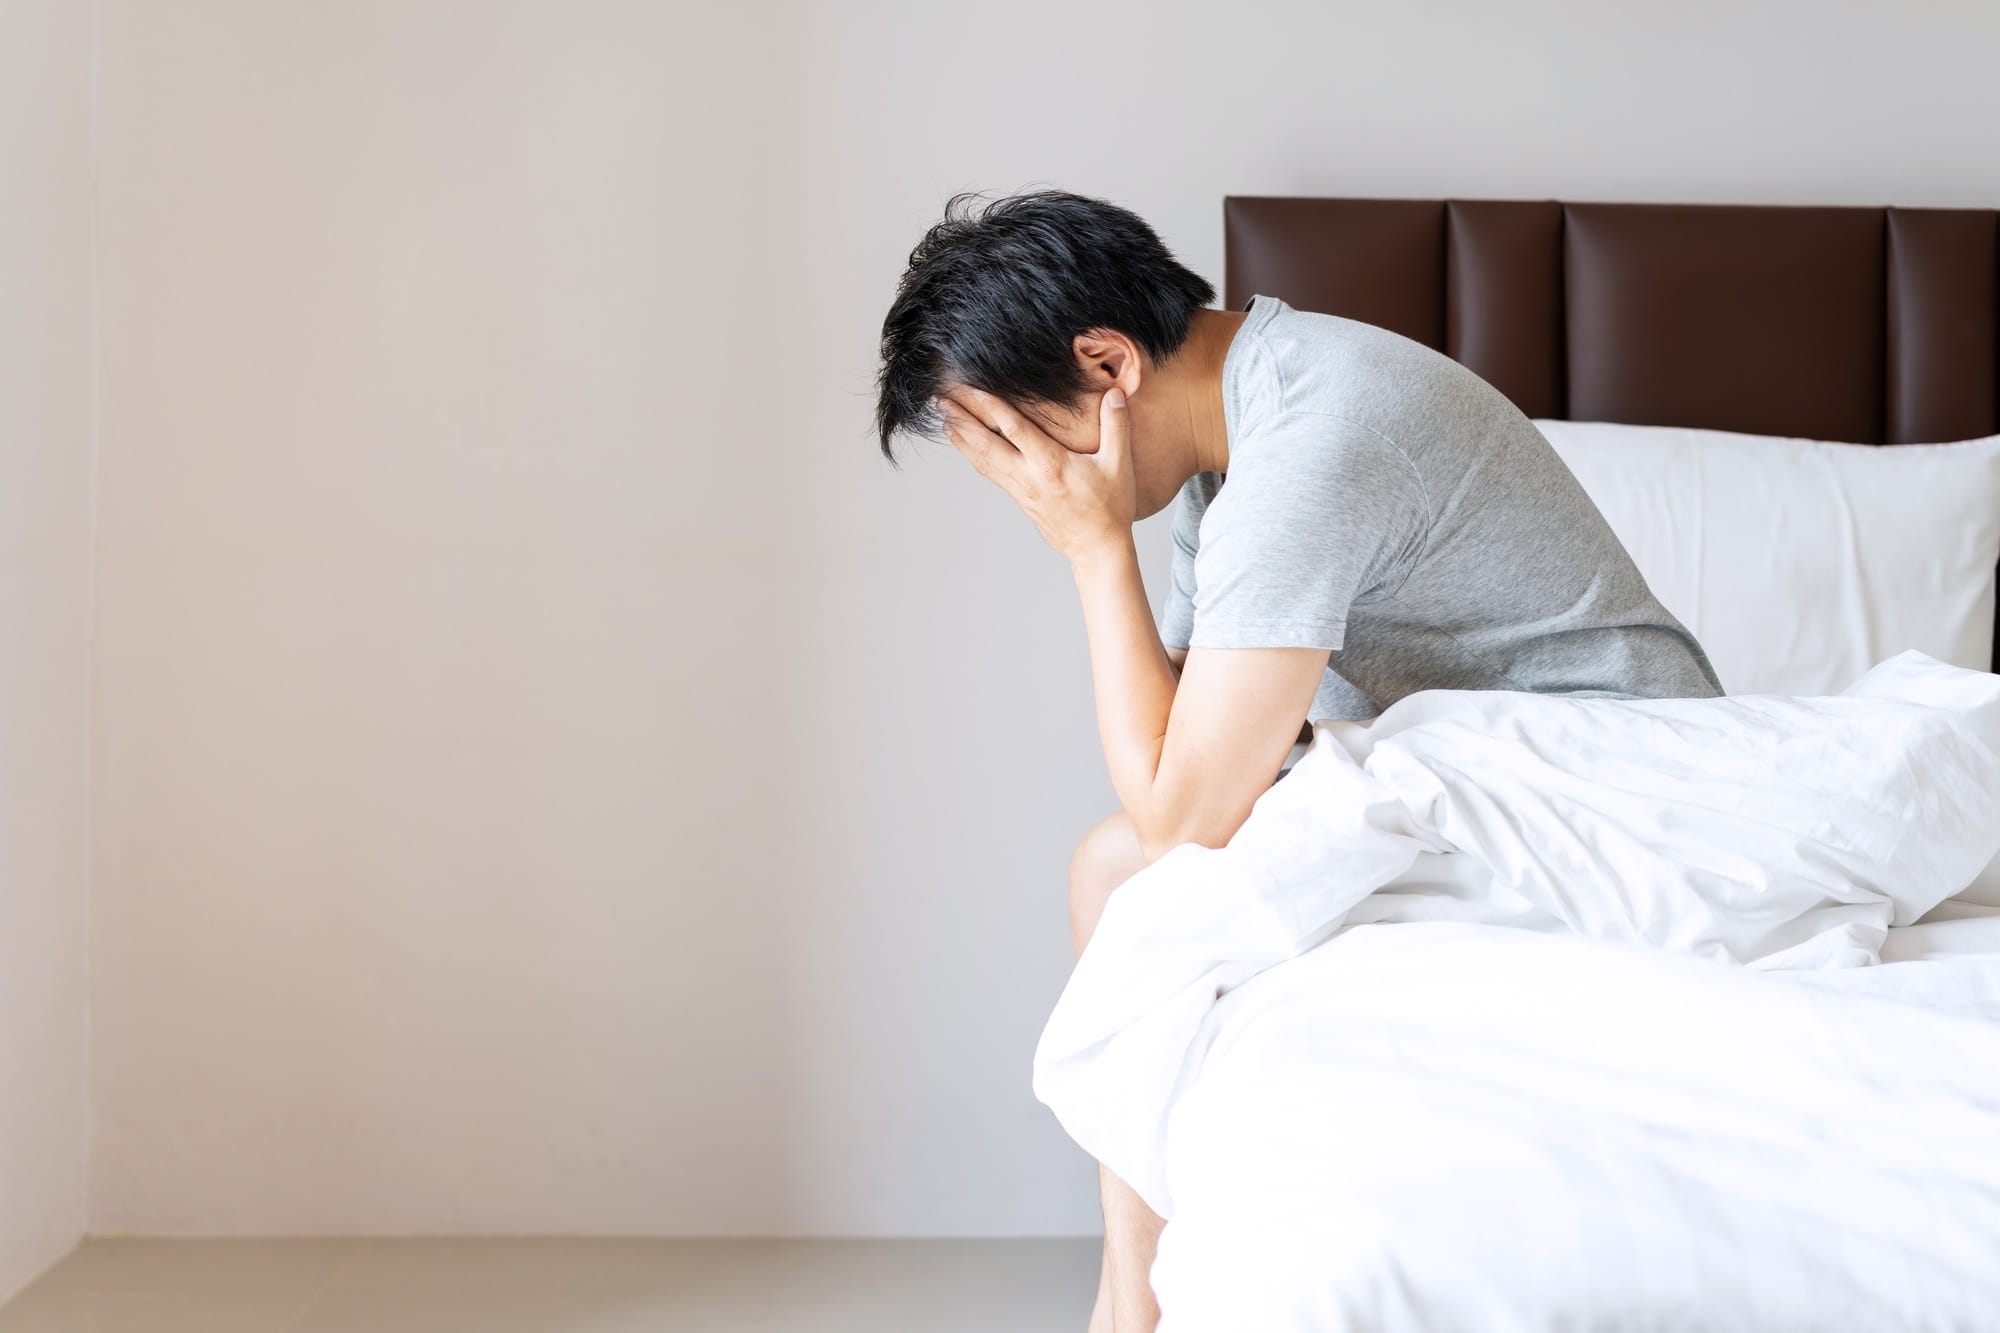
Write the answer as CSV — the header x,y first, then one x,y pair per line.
x,y
1177,616
1318,513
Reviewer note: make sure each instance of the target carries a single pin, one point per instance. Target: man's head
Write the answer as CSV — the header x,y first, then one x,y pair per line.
x,y
1047,300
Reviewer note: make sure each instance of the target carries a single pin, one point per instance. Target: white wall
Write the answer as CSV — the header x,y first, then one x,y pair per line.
x,y
45,462
555,777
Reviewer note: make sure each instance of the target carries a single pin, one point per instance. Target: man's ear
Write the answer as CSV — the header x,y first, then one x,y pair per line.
x,y
1107,358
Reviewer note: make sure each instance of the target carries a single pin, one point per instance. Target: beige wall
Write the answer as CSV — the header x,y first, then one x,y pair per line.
x,y
45,465
554,777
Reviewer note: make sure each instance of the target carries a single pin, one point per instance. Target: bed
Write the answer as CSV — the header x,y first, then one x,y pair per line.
x,y
1515,1013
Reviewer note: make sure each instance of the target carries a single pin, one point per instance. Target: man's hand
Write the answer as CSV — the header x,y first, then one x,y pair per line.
x,y
1188,756
1081,502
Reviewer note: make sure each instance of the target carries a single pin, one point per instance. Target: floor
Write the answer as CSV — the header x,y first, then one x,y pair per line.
x,y
562,1286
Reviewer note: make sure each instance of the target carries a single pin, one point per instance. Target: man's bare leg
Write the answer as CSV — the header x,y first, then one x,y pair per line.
x,y
1108,856
1100,1313
1132,1237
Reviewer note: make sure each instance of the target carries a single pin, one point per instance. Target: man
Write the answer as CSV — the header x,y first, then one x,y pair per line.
x,y
1361,518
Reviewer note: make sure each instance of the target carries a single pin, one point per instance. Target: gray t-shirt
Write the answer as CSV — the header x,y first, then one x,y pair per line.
x,y
1385,503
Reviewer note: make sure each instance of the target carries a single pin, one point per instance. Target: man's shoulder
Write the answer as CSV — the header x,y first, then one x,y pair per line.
x,y
1304,362
1297,340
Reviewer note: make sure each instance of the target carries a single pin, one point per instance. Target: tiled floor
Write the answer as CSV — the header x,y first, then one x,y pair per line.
x,y
563,1286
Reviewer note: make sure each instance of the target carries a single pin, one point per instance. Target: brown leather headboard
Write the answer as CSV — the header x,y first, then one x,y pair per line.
x,y
1868,325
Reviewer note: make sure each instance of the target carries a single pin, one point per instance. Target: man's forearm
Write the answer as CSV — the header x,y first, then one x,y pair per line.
x,y
1131,675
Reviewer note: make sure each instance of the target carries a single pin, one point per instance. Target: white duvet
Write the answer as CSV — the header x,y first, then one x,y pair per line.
x,y
1509,1011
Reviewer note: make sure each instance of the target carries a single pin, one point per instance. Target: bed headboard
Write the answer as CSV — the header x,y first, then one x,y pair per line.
x,y
1868,325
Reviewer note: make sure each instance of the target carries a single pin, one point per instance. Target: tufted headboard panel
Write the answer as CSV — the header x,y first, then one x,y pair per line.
x,y
1867,325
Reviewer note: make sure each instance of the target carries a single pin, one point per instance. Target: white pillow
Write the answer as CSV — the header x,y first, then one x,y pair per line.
x,y
1801,564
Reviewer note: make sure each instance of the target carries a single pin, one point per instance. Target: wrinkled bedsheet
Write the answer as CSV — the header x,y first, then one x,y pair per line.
x,y
1508,1011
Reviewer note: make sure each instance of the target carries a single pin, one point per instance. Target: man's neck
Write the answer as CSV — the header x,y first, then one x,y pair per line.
x,y
1200,386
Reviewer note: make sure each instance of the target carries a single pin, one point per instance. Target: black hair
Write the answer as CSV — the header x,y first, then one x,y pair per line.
x,y
994,295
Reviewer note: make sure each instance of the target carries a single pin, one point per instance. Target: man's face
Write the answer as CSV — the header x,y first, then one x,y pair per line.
x,y
1076,428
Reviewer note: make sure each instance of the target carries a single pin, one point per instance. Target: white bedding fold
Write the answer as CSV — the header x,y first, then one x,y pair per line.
x,y
1746,835
1462,1127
